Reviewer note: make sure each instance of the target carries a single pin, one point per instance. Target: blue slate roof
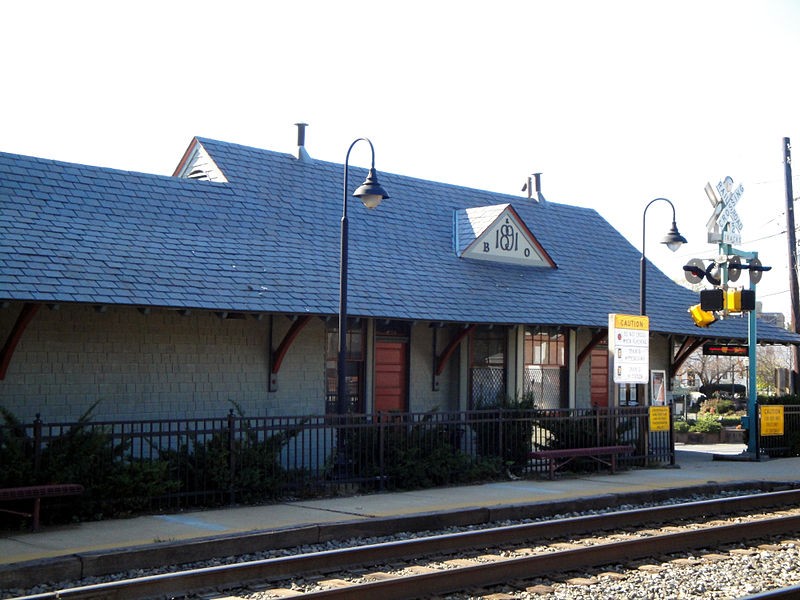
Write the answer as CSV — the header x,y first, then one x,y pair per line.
x,y
268,241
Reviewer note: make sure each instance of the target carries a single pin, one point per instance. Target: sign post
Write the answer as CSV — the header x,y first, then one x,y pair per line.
x,y
724,228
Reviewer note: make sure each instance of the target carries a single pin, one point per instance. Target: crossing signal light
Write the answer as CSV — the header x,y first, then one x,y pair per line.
x,y
700,316
740,300
712,299
733,300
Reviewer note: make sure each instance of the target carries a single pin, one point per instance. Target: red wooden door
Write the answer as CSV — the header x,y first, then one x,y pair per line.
x,y
599,376
391,375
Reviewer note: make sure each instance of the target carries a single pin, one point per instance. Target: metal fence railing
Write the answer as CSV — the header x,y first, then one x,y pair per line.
x,y
184,462
787,444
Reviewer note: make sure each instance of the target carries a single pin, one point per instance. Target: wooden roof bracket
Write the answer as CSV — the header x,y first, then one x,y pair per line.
x,y
439,362
689,345
25,316
586,352
276,357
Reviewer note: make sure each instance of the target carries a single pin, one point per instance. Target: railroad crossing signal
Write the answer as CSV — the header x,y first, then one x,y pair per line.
x,y
732,300
701,318
696,269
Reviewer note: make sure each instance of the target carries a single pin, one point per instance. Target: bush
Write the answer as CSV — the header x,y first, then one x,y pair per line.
x,y
681,426
718,406
786,399
84,454
246,469
706,423
505,430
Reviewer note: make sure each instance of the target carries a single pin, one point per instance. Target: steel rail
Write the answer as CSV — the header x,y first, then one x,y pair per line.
x,y
242,574
494,573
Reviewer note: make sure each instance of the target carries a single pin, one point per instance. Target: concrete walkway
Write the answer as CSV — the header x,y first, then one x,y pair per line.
x,y
695,467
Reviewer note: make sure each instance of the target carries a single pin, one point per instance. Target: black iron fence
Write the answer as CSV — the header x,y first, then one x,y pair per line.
x,y
786,443
233,459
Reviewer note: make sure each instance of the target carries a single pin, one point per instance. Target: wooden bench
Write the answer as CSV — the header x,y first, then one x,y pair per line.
x,y
606,455
36,493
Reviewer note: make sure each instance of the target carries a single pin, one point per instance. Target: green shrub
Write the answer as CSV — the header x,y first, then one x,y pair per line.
x,y
504,431
718,406
786,399
680,426
706,423
246,469
416,455
84,454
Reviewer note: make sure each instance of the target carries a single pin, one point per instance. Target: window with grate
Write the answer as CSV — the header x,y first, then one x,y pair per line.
x,y
355,366
544,359
488,367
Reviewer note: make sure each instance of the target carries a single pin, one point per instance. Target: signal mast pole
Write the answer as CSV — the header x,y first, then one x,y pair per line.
x,y
793,289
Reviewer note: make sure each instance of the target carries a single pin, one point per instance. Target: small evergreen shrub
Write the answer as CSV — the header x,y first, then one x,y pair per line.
x,y
706,423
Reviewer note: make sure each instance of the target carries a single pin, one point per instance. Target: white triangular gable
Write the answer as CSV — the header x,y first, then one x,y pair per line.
x,y
497,233
197,164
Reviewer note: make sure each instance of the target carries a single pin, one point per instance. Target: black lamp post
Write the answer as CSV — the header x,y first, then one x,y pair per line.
x,y
371,193
673,240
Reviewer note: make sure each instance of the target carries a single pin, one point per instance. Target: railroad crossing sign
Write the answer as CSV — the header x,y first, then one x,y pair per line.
x,y
724,226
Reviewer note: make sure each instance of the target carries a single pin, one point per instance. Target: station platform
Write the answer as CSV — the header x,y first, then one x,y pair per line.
x,y
696,467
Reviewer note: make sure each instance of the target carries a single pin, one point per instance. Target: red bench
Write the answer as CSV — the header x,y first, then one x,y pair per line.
x,y
36,493
606,455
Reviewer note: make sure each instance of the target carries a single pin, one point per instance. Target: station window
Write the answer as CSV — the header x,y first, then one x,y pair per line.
x,y
488,367
355,366
544,358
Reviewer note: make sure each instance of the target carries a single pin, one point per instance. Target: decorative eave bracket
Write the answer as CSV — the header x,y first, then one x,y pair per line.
x,y
29,311
276,357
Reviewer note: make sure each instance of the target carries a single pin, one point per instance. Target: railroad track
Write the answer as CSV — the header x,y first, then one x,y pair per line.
x,y
453,562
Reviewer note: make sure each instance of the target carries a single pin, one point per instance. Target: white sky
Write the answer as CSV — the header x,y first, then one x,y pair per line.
x,y
616,103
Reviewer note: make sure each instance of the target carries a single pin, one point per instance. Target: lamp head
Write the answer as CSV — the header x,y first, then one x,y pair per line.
x,y
673,239
371,192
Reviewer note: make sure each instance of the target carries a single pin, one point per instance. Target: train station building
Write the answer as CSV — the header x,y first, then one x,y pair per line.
x,y
163,297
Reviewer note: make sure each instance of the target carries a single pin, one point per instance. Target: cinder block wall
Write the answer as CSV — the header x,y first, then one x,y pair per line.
x,y
159,365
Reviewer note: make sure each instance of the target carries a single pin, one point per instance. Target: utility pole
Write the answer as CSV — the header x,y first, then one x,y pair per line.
x,y
787,164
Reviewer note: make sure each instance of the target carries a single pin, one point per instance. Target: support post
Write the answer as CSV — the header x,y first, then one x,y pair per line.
x,y
793,286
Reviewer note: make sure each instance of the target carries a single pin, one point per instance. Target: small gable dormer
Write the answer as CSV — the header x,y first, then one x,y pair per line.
x,y
198,164
498,234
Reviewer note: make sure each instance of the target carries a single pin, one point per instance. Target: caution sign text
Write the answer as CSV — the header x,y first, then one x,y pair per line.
x,y
659,418
771,420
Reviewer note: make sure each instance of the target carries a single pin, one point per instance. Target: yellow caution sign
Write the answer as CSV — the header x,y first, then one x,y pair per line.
x,y
659,418
771,420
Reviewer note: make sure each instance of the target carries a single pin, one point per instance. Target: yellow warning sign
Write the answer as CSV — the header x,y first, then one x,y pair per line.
x,y
639,322
659,418
772,420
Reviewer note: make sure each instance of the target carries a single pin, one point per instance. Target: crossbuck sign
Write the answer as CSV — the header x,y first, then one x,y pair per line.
x,y
724,225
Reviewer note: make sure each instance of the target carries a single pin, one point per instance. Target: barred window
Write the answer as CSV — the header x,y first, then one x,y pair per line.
x,y
355,366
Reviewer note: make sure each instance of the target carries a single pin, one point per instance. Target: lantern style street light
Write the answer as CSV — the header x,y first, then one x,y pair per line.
x,y
673,241
371,193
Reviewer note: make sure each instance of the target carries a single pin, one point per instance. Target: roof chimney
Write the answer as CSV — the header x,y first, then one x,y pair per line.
x,y
301,143
534,188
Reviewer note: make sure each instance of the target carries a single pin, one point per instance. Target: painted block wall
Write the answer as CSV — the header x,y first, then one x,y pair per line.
x,y
422,397
301,378
159,365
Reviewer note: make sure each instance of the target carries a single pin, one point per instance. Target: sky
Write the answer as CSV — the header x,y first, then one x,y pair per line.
x,y
615,102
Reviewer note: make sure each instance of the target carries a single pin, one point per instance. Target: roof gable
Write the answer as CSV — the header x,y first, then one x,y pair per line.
x,y
197,164
497,233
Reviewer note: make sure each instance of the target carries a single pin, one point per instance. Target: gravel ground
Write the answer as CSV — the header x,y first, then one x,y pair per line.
x,y
733,574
